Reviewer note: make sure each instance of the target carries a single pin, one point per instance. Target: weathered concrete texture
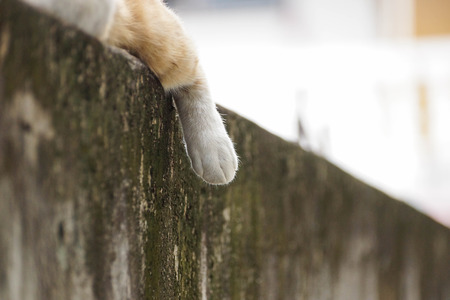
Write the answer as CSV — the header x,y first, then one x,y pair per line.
x,y
98,200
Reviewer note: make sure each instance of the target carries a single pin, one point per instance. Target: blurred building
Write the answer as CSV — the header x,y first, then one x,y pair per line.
x,y
366,81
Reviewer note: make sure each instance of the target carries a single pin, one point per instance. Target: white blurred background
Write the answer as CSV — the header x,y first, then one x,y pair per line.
x,y
364,83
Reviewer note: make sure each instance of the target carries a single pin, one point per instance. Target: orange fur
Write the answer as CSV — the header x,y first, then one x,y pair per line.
x,y
149,29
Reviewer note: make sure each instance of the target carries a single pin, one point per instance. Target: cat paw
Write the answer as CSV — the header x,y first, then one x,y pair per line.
x,y
214,159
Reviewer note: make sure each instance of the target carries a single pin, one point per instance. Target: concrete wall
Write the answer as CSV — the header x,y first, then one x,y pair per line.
x,y
98,200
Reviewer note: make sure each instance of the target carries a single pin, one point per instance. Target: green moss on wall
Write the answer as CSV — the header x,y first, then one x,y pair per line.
x,y
98,199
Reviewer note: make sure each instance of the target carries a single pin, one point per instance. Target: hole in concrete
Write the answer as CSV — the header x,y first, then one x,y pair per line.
x,y
61,231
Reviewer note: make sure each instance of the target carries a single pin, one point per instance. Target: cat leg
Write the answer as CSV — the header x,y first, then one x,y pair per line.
x,y
149,29
153,32
208,145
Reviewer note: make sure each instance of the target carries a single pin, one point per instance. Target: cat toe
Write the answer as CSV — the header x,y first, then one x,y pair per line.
x,y
220,171
215,166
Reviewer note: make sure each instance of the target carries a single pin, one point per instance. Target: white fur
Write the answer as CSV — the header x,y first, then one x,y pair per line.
x,y
208,145
92,16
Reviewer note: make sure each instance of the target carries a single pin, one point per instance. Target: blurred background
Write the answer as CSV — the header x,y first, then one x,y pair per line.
x,y
363,83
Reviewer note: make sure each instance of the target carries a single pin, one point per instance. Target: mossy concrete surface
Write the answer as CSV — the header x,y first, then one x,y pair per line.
x,y
98,200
